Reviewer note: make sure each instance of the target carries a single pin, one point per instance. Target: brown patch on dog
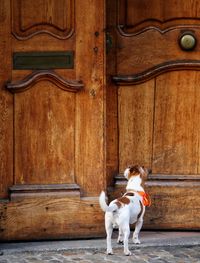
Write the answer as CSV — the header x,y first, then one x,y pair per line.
x,y
118,204
124,200
141,211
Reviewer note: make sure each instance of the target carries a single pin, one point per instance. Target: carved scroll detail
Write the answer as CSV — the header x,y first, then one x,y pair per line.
x,y
135,17
36,76
55,18
155,71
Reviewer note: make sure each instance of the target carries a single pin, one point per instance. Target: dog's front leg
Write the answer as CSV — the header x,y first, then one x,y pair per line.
x,y
138,227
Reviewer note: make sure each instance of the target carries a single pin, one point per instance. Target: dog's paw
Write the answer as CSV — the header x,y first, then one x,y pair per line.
x,y
109,252
120,242
127,253
136,241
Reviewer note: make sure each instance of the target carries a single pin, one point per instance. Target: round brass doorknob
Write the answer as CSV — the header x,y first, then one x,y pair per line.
x,y
188,41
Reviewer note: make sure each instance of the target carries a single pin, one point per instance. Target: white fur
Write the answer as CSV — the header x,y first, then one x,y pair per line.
x,y
125,215
134,183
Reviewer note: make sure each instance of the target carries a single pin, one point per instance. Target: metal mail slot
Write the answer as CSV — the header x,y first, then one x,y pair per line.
x,y
43,60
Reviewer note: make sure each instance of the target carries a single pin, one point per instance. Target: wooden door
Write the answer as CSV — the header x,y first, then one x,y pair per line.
x,y
51,118
157,99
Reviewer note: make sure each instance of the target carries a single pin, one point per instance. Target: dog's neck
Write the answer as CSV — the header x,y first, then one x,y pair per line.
x,y
135,184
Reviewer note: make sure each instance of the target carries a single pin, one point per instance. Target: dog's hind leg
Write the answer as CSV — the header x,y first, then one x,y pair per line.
x,y
109,230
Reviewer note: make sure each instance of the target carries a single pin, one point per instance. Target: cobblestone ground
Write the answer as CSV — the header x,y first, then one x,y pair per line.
x,y
139,255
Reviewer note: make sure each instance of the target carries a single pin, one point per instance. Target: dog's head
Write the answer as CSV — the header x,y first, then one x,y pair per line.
x,y
135,170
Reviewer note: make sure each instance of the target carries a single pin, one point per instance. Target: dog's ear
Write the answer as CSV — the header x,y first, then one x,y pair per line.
x,y
145,173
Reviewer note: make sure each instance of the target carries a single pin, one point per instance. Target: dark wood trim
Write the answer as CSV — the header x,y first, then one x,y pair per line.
x,y
155,71
36,76
164,177
134,31
18,192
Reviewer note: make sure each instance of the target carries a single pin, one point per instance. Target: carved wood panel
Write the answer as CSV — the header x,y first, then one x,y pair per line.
x,y
30,18
44,135
135,124
44,128
148,38
135,16
176,148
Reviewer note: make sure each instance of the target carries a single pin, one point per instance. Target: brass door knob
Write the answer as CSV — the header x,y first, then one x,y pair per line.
x,y
187,41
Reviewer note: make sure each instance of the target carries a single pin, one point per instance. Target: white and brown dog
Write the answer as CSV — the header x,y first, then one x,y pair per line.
x,y
128,209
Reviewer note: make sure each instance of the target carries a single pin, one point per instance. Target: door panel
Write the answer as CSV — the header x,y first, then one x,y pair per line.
x,y
136,106
44,135
176,126
50,18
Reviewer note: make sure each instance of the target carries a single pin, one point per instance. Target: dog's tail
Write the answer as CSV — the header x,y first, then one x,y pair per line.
x,y
103,204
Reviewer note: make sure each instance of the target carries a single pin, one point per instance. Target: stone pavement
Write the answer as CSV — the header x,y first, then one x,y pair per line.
x,y
156,247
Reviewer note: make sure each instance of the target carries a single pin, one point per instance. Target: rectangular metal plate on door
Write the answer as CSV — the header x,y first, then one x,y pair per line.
x,y
43,60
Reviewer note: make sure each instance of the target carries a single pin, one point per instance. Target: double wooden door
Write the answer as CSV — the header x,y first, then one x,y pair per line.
x,y
86,88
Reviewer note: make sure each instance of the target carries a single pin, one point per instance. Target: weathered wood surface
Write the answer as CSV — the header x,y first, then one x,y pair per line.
x,y
176,148
149,36
90,68
6,102
135,16
136,113
51,218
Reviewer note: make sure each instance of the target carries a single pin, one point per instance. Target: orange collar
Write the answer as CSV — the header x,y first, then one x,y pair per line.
x,y
146,200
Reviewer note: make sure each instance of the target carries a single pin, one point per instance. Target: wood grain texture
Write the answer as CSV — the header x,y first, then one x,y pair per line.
x,y
135,16
176,128
136,106
90,67
138,54
55,18
6,102
44,135
54,218
148,41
